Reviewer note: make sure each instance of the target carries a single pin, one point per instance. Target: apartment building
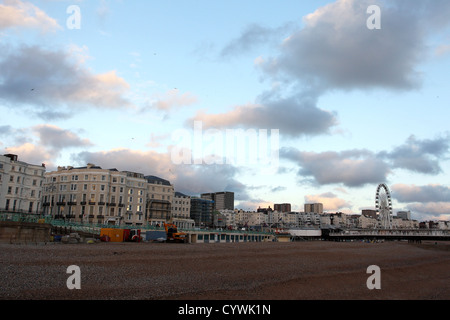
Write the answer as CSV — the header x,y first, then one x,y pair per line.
x,y
201,211
222,200
160,194
230,217
314,208
92,194
20,185
282,207
181,211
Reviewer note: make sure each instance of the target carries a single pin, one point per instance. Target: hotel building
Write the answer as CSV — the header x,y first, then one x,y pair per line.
x,y
20,185
94,195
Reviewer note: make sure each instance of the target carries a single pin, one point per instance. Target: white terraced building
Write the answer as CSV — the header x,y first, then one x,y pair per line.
x,y
20,185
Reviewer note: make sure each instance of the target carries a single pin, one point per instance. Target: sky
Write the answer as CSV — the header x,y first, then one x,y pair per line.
x,y
334,97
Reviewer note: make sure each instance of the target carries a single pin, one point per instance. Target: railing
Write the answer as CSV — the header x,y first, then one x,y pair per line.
x,y
393,233
95,228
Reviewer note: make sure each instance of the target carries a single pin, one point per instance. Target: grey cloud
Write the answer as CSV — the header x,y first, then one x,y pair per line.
x,y
5,130
254,35
58,139
423,194
292,116
335,49
34,76
421,156
353,168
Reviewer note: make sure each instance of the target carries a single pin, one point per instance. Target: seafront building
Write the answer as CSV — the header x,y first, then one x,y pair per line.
x,y
181,211
201,211
160,194
92,194
20,185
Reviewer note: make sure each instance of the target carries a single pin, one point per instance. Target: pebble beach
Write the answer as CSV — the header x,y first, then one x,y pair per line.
x,y
315,270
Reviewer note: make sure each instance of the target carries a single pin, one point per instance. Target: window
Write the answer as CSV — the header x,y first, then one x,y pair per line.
x,y
73,187
113,189
102,187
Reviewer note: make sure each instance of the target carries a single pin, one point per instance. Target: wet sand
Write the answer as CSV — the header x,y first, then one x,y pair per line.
x,y
315,270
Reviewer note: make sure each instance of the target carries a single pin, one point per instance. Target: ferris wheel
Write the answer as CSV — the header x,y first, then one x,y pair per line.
x,y
383,204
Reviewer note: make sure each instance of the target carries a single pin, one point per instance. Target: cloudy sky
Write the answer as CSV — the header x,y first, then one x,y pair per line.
x,y
340,105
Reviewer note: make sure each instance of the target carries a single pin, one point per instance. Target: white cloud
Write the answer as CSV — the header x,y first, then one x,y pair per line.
x,y
22,14
329,200
58,79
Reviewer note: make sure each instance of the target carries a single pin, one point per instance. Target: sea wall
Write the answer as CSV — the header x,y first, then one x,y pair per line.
x,y
24,232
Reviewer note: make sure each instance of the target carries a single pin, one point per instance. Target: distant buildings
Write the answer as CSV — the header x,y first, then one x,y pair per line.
x,y
201,211
20,185
314,207
222,200
405,215
94,195
282,207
